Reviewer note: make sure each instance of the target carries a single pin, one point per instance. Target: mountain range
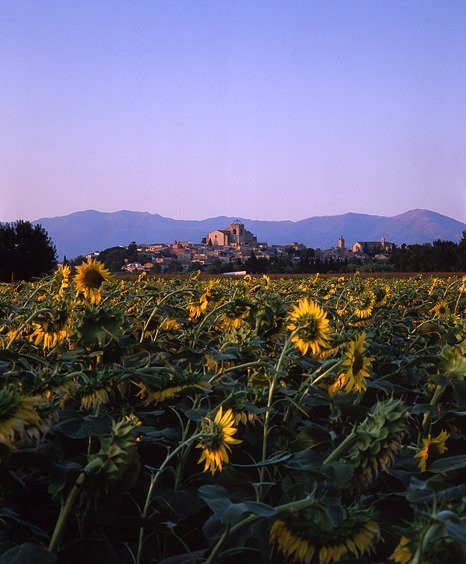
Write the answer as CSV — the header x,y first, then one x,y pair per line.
x,y
86,231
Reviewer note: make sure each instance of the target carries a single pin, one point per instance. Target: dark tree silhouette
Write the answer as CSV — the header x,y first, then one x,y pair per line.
x,y
26,251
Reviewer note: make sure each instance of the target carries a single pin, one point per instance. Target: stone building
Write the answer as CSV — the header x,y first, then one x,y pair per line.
x,y
234,234
372,248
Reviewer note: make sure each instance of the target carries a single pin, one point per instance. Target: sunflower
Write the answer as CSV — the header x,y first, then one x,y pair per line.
x,y
244,417
168,386
441,309
301,543
431,447
402,554
311,325
93,398
380,436
63,276
381,295
432,286
52,329
231,323
356,366
339,384
18,416
365,304
89,279
49,339
169,324
216,443
462,288
195,310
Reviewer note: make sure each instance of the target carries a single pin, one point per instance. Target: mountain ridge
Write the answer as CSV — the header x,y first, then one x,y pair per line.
x,y
85,231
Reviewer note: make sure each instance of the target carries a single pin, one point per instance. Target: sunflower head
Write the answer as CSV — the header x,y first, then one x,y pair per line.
x,y
19,417
215,444
382,294
61,280
364,304
52,327
166,385
441,309
356,365
452,363
311,327
115,467
379,441
302,536
431,448
89,279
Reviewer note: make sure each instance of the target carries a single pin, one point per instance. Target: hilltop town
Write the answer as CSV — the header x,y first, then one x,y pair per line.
x,y
234,247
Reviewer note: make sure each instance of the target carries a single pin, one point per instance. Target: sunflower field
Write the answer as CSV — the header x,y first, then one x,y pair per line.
x,y
196,420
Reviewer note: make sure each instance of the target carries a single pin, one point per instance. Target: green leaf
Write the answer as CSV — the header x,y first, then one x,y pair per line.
x,y
449,463
82,427
216,497
233,513
28,553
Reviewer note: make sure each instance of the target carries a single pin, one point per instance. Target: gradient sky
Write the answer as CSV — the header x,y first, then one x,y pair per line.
x,y
262,109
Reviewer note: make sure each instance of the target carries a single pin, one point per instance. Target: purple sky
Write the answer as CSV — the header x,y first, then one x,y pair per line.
x,y
262,109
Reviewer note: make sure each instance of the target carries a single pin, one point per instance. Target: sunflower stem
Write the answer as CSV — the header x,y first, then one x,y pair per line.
x,y
267,413
64,514
342,447
153,480
433,402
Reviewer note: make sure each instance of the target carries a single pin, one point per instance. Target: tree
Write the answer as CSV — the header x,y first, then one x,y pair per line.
x,y
25,251
174,266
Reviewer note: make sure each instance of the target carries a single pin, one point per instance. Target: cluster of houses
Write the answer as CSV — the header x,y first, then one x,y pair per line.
x,y
237,244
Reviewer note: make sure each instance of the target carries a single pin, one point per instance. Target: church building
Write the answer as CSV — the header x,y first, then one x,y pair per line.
x,y
234,234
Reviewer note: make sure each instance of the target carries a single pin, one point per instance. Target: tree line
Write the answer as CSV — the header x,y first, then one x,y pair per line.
x,y
26,251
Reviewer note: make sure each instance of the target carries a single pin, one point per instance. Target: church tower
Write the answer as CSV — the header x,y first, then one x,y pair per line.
x,y
237,231
341,242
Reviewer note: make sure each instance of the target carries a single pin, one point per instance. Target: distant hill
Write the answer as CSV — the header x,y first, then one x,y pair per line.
x,y
87,231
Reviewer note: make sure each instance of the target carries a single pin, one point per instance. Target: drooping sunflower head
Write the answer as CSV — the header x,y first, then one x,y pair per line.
x,y
380,436
53,327
452,363
356,365
215,444
115,467
19,417
169,324
234,315
431,448
89,279
167,385
311,326
302,538
61,280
